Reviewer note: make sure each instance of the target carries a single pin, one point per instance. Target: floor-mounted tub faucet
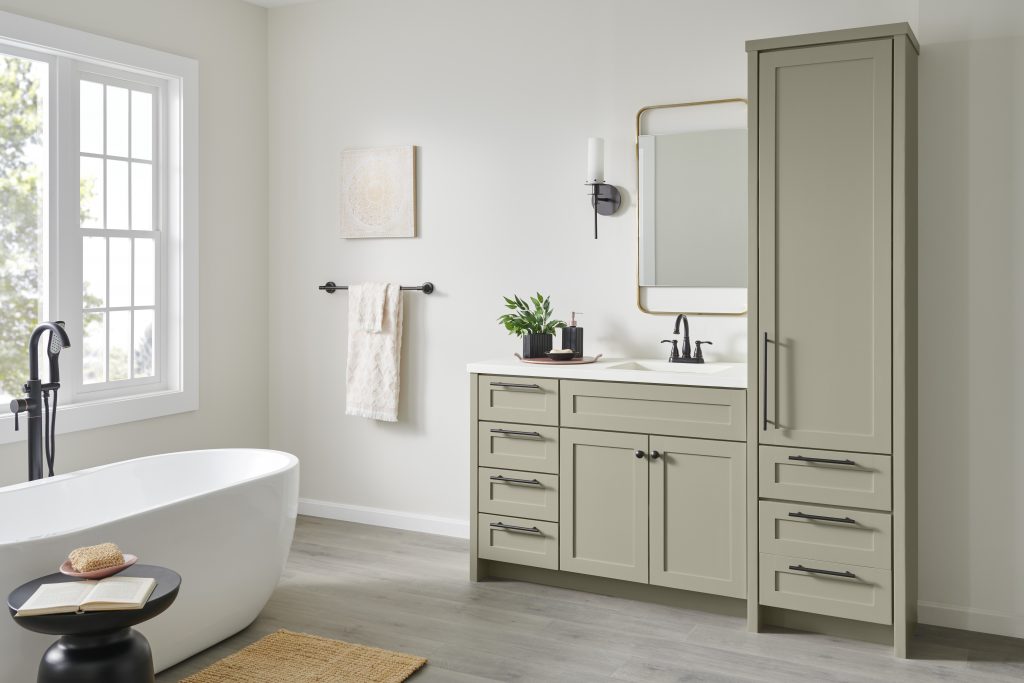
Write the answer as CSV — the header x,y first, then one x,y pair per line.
x,y
38,398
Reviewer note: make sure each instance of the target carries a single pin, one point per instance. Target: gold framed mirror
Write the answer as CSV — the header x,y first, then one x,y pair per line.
x,y
692,219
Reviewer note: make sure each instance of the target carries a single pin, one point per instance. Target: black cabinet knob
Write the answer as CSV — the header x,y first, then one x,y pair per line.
x,y
655,455
639,454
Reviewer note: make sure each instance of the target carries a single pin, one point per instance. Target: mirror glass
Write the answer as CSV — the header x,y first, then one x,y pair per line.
x,y
692,199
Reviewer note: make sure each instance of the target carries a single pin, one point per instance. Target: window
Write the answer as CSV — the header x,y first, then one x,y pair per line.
x,y
97,220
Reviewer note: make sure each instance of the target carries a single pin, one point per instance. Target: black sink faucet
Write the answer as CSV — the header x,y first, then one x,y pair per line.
x,y
38,397
684,356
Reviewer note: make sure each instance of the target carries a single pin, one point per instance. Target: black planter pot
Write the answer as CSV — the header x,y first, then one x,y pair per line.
x,y
536,345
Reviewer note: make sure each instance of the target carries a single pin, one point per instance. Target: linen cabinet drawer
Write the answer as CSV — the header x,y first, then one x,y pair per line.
x,y
518,447
520,494
826,533
862,480
519,541
533,400
838,590
698,412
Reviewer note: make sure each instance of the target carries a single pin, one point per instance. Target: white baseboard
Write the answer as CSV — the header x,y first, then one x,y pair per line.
x,y
970,619
409,521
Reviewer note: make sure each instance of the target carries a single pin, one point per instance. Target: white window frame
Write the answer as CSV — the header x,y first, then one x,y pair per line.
x,y
72,53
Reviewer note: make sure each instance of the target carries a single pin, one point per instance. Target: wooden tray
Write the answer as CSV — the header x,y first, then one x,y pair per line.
x,y
550,361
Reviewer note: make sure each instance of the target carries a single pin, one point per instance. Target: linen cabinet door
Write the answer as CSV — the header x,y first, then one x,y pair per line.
x,y
603,504
825,247
697,515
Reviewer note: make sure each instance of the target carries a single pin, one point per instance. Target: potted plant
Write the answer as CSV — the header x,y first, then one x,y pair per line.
x,y
531,322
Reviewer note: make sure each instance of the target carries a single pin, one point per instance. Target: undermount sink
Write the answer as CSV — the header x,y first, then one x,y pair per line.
x,y
665,366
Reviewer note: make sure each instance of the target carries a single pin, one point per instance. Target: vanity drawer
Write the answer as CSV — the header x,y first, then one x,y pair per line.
x,y
850,592
518,446
826,533
520,494
699,412
862,480
520,541
533,400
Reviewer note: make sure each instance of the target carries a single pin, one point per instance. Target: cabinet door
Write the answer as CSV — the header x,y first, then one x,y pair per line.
x,y
603,504
825,246
698,515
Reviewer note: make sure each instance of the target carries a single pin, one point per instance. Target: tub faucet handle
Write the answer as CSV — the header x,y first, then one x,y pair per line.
x,y
18,405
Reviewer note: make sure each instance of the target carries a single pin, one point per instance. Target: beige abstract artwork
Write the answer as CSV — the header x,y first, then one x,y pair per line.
x,y
378,195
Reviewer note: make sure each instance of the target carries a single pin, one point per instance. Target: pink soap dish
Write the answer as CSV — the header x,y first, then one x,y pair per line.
x,y
129,560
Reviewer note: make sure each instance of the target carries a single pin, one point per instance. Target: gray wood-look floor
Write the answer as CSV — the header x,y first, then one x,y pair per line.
x,y
411,592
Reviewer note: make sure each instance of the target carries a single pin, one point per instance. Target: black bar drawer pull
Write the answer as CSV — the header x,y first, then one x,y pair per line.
x,y
823,518
509,480
764,387
829,572
827,461
513,385
513,432
524,529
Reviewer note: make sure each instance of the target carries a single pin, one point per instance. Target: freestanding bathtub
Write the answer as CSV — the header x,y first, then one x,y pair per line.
x,y
223,519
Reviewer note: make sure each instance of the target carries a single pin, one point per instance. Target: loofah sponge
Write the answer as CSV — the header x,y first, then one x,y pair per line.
x,y
95,557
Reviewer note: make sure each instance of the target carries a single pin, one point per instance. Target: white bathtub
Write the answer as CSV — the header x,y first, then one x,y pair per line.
x,y
223,519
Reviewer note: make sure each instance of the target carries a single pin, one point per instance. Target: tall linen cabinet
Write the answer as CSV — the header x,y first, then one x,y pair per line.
x,y
832,422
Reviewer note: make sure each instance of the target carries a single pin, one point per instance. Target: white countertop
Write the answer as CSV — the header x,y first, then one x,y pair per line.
x,y
639,370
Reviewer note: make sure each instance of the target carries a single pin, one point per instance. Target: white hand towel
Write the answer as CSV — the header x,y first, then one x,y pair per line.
x,y
366,301
374,355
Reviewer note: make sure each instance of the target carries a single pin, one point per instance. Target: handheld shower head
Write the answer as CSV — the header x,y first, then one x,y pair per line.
x,y
53,349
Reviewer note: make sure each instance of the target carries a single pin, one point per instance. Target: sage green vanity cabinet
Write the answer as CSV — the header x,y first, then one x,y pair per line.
x,y
832,325
604,502
648,485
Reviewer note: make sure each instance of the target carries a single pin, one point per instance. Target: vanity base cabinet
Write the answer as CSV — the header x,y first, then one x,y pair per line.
x,y
832,327
658,510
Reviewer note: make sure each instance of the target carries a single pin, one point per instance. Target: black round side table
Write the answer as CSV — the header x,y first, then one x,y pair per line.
x,y
98,647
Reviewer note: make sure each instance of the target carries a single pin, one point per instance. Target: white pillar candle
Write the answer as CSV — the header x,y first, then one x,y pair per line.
x,y
595,160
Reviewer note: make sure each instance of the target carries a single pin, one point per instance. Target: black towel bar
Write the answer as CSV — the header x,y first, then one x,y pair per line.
x,y
331,288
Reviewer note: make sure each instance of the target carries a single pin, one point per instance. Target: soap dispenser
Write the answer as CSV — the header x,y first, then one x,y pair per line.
x,y
572,337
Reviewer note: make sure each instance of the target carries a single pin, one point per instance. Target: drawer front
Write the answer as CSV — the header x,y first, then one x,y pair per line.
x,y
533,400
826,533
654,409
530,542
520,494
864,596
861,480
530,448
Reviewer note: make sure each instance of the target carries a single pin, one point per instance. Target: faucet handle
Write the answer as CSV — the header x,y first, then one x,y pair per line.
x,y
675,348
698,354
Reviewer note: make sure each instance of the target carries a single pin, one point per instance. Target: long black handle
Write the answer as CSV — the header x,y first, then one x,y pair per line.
x,y
509,527
823,518
512,385
812,570
513,432
509,480
827,461
764,388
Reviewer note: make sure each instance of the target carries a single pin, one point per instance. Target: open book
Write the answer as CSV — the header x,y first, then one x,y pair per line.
x,y
113,593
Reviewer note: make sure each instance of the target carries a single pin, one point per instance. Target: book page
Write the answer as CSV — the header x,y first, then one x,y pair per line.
x,y
56,598
119,592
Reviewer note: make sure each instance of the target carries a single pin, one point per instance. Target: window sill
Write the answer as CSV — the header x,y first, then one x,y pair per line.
x,y
78,417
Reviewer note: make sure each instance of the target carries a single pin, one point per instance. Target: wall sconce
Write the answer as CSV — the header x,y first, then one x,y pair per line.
x,y
605,198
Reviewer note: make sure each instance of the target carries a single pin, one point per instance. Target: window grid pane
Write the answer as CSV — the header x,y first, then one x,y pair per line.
x,y
119,272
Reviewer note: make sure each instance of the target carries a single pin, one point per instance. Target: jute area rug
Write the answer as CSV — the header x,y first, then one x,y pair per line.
x,y
288,657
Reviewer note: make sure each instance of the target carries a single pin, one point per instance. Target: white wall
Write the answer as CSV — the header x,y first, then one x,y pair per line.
x,y
500,99
971,314
228,37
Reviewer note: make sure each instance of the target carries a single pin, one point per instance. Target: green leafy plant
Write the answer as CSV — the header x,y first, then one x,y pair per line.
x,y
527,318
